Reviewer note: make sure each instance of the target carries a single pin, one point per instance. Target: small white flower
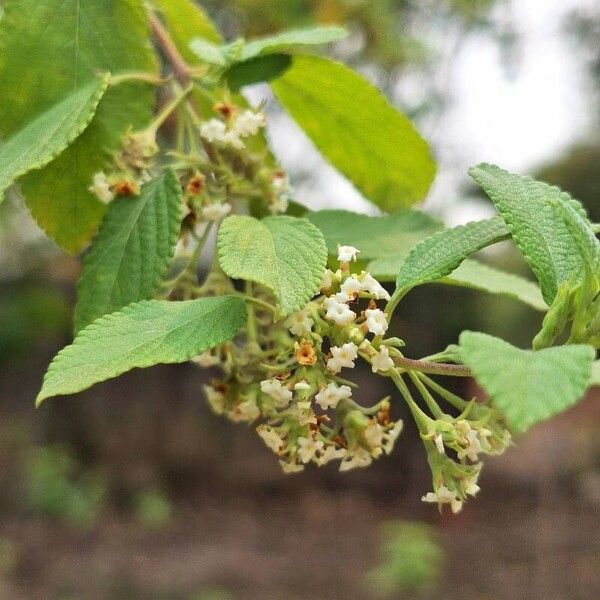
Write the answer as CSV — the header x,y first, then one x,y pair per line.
x,y
376,321
373,434
356,459
349,290
474,448
371,285
280,182
206,359
390,437
302,385
444,496
277,391
213,130
382,361
101,188
249,123
342,356
290,467
231,138
279,204
471,488
439,443
329,396
347,253
245,411
215,398
308,447
330,453
215,211
327,279
270,437
299,323
338,312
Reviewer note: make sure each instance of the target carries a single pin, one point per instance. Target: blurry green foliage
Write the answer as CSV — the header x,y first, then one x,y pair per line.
x,y
30,313
411,560
153,509
386,28
58,486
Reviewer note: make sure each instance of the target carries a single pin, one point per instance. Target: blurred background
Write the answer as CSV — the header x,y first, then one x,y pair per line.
x,y
134,490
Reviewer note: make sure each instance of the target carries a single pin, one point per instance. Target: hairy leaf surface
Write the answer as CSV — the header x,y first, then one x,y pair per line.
x,y
527,386
374,236
474,275
440,254
536,226
143,334
42,140
595,379
376,147
285,254
292,39
131,251
48,49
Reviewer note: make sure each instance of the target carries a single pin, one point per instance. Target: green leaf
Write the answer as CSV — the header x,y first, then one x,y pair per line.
x,y
42,140
474,275
132,250
285,254
48,49
583,235
527,386
440,254
143,334
376,147
375,237
292,39
261,68
595,379
186,21
536,226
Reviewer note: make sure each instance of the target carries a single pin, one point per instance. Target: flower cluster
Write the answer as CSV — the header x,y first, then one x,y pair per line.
x,y
307,413
290,387
234,128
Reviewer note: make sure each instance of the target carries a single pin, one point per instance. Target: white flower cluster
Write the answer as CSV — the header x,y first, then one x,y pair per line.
x,y
240,126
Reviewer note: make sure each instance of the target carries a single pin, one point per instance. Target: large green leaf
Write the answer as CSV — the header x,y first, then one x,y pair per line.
x,y
595,379
281,43
132,250
143,334
374,236
536,226
42,140
185,20
285,254
527,386
376,147
473,275
438,255
292,39
47,49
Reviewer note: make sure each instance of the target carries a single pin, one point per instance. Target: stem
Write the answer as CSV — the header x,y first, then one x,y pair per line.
x,y
181,70
190,269
429,399
447,395
258,302
251,327
393,302
169,108
137,76
421,419
433,368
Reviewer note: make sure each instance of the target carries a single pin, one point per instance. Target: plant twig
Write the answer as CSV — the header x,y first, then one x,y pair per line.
x,y
433,368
